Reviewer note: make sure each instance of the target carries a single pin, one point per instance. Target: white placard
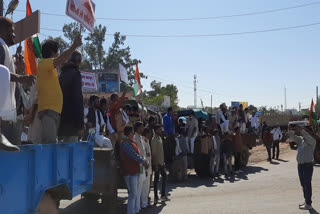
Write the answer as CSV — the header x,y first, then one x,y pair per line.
x,y
83,12
166,101
123,74
89,82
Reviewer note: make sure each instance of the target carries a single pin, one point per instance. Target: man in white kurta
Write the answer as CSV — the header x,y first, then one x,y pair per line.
x,y
138,127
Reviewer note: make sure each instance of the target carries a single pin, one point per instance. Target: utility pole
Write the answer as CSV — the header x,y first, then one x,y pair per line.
x,y
1,7
211,104
299,106
317,94
285,98
195,90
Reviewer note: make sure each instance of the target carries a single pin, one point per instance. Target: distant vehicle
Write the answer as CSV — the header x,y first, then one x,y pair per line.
x,y
274,119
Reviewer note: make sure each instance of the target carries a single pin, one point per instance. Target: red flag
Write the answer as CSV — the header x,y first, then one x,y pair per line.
x,y
137,77
313,116
29,56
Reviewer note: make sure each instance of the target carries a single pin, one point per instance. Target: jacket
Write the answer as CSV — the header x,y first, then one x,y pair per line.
x,y
72,116
130,158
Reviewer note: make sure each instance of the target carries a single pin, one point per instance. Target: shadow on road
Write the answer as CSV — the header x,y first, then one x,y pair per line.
x,y
281,160
250,170
82,206
155,209
274,163
313,211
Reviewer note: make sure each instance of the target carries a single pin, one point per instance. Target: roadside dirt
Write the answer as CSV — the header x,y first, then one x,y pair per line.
x,y
259,153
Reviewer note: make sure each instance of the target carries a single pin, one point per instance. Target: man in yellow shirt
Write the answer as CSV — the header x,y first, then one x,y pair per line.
x,y
50,98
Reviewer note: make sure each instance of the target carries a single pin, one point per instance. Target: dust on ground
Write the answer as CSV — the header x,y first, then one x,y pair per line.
x,y
259,153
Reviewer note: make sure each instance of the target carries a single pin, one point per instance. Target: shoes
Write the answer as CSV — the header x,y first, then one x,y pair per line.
x,y
305,207
269,160
304,203
164,198
238,171
5,145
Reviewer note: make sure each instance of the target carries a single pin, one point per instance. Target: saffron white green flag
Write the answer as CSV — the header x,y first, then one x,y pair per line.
x,y
313,116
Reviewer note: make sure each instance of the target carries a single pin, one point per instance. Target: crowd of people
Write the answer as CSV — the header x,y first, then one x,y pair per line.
x,y
49,108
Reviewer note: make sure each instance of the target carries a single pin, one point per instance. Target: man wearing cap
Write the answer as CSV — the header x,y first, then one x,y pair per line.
x,y
222,118
72,116
193,128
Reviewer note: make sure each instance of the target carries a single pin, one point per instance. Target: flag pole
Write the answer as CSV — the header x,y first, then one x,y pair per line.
x,y
81,29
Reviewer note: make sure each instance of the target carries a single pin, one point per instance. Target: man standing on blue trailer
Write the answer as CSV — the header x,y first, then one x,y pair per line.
x,y
72,116
50,98
8,106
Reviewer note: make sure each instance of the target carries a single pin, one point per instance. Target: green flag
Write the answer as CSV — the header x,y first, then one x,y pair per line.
x,y
37,47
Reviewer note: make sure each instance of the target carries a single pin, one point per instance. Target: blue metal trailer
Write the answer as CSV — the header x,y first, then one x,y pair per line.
x,y
61,171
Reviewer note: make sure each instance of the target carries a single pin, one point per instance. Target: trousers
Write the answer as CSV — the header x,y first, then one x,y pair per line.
x,y
50,122
145,191
305,172
190,142
132,185
163,173
274,148
141,180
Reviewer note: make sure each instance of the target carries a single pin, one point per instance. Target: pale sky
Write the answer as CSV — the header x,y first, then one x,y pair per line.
x,y
251,67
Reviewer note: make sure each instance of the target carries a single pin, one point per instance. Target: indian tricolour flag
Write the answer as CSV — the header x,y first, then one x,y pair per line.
x,y
137,88
32,49
313,116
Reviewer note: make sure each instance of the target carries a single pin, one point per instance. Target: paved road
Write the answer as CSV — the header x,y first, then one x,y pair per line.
x,y
262,189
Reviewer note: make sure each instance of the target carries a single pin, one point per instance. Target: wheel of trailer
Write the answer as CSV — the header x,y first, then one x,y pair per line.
x,y
178,169
244,159
317,155
47,205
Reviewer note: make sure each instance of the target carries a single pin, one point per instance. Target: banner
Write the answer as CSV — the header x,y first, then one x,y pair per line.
x,y
237,104
83,12
166,101
89,82
123,74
